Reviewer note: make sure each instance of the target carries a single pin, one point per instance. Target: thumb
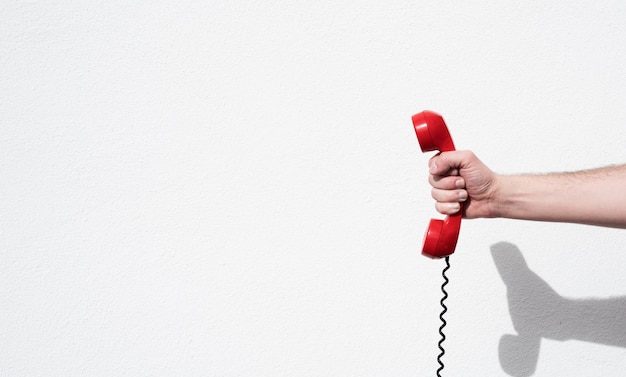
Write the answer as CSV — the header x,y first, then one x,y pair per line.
x,y
445,162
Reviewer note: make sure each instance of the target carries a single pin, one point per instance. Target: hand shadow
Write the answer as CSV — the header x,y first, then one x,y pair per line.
x,y
537,311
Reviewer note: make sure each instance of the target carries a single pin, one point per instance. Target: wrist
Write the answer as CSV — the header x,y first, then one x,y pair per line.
x,y
500,196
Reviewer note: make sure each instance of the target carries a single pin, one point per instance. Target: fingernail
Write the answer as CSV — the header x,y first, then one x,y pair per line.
x,y
454,206
463,195
433,168
459,183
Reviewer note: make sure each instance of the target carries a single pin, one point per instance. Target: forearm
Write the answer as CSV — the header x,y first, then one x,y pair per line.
x,y
596,197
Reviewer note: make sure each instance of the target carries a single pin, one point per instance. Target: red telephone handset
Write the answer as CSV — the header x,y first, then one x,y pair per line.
x,y
432,134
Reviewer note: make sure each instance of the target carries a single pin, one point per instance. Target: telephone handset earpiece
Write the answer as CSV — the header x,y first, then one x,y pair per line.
x,y
432,134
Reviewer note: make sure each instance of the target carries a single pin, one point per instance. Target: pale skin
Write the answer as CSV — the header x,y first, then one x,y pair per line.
x,y
593,197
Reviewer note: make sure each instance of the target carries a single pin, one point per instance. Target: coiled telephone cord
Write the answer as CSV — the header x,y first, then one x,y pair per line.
x,y
443,321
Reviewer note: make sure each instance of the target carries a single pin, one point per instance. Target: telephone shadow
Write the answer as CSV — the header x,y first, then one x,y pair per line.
x,y
537,312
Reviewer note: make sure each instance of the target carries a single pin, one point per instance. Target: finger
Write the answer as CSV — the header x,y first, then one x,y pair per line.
x,y
449,196
446,183
447,208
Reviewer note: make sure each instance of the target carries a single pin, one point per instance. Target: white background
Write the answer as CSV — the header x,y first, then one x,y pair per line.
x,y
234,188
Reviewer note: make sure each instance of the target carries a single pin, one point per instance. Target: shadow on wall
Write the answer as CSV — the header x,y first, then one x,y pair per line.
x,y
537,311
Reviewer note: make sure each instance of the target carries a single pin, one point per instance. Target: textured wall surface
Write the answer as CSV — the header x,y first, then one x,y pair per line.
x,y
234,188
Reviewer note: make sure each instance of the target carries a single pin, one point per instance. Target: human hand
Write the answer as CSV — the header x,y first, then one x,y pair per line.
x,y
460,177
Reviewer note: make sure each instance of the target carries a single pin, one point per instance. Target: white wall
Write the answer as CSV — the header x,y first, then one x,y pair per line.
x,y
235,188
